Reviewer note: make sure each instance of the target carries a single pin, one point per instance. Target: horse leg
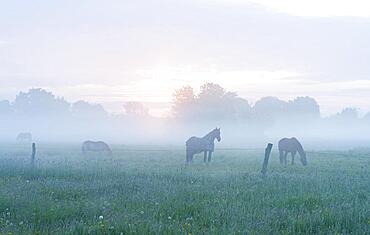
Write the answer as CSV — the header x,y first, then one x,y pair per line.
x,y
187,157
209,156
205,156
293,155
285,157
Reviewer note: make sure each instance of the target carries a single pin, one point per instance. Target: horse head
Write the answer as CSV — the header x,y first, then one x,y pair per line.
x,y
303,158
217,133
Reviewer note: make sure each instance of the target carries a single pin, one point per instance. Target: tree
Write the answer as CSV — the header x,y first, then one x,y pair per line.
x,y
347,114
136,109
270,108
40,102
184,95
212,103
241,108
211,92
304,107
184,102
84,109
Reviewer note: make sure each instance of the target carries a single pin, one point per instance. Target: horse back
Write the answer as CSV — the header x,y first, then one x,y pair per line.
x,y
289,144
198,145
95,146
24,136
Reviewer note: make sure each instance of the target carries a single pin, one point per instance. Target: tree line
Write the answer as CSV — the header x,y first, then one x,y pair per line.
x,y
212,102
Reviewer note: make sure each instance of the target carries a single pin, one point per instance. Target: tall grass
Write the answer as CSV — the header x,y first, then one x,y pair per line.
x,y
150,191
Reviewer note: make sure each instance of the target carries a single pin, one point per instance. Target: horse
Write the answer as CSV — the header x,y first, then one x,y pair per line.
x,y
24,137
291,145
205,144
95,146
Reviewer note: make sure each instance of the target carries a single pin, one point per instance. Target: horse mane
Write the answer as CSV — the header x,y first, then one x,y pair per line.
x,y
209,134
300,147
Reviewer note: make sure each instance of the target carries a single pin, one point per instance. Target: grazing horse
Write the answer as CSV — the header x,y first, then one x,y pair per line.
x,y
24,137
98,146
292,146
205,144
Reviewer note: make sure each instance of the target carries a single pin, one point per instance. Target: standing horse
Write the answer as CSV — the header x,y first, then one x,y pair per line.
x,y
205,144
24,137
292,146
98,146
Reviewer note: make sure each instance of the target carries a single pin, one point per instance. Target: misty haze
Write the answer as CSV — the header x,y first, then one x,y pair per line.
x,y
184,117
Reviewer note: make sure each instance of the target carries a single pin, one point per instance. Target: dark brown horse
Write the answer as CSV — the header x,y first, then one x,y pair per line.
x,y
291,145
205,144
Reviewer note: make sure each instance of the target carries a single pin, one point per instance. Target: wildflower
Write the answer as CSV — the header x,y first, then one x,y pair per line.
x,y
21,223
141,212
101,217
169,217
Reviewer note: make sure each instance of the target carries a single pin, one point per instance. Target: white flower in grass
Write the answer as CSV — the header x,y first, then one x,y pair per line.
x,y
141,212
101,217
169,217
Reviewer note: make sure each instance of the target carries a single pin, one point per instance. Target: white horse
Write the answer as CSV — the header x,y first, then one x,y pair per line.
x,y
98,146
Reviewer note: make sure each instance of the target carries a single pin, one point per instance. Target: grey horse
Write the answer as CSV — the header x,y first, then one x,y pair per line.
x,y
291,145
95,146
25,137
205,144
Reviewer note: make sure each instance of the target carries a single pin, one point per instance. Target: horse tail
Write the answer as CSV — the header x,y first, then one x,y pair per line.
x,y
187,143
109,150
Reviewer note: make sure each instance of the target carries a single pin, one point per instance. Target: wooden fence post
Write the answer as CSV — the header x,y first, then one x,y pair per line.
x,y
33,153
266,159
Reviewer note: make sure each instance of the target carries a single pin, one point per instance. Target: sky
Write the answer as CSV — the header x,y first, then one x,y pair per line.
x,y
115,51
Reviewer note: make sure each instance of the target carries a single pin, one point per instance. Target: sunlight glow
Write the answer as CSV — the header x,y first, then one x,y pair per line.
x,y
157,84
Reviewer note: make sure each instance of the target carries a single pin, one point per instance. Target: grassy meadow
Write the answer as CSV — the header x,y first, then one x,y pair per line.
x,y
148,190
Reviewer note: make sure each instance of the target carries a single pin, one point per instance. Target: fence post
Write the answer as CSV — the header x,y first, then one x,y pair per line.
x,y
266,159
33,153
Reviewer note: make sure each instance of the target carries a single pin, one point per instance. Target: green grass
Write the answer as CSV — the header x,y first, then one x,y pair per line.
x,y
150,191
